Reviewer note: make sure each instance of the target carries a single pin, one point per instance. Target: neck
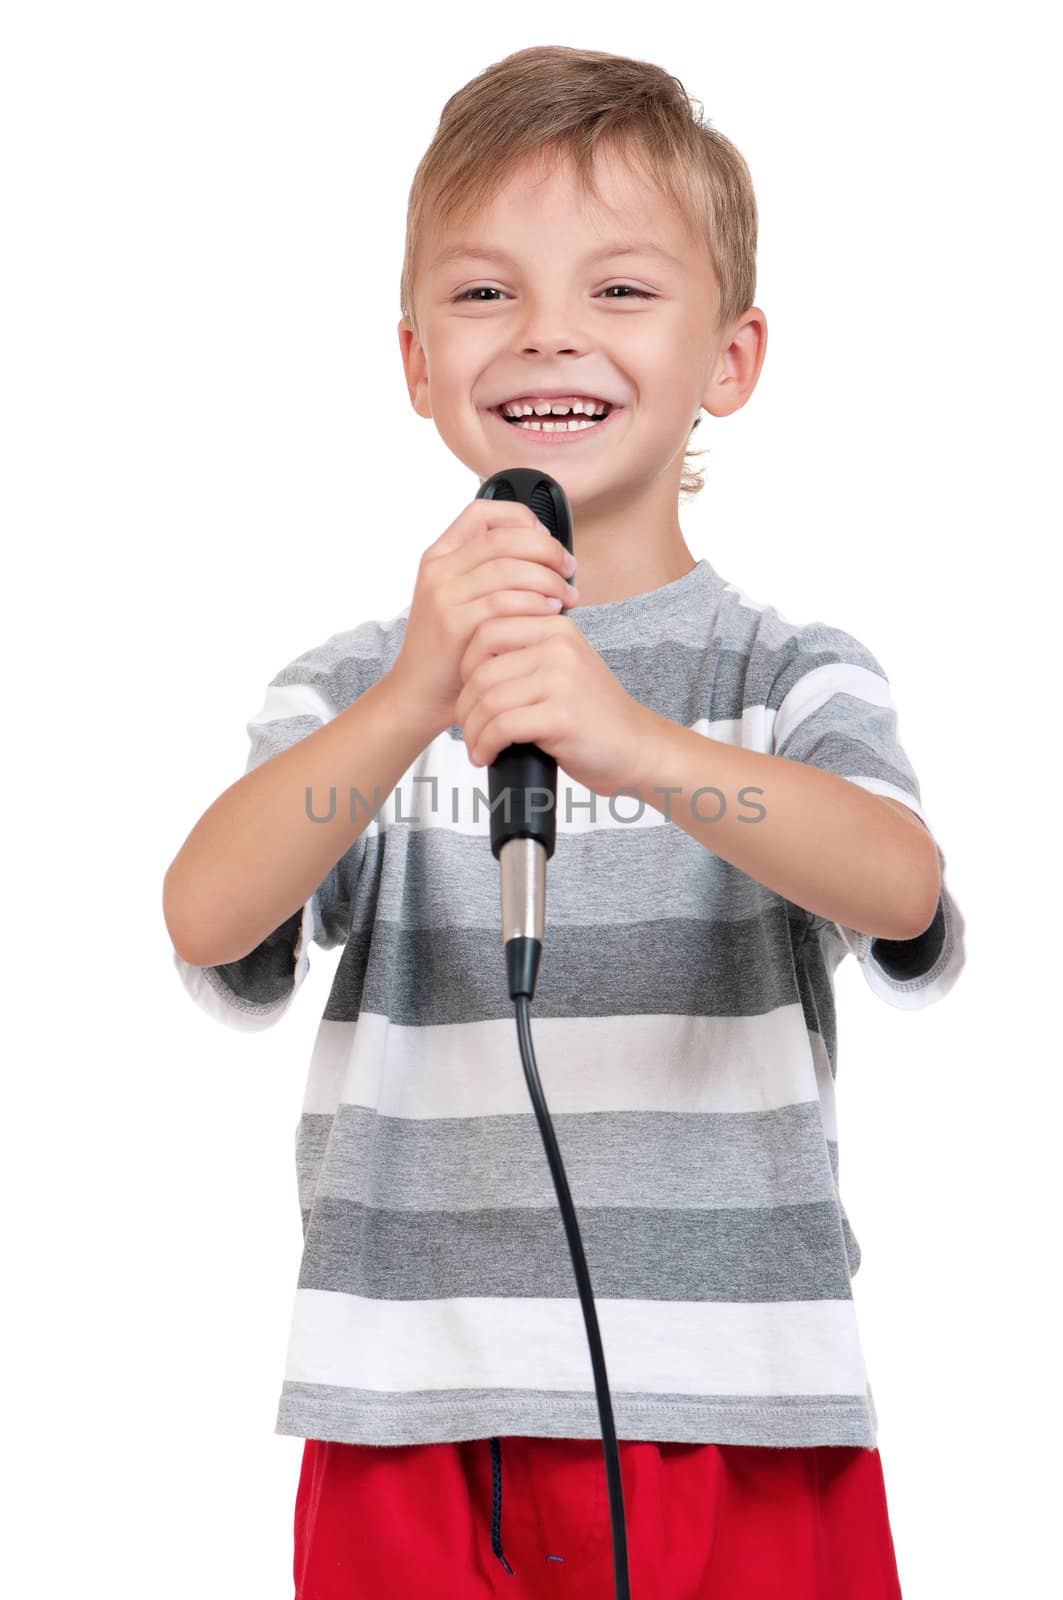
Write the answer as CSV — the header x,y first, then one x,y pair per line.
x,y
626,550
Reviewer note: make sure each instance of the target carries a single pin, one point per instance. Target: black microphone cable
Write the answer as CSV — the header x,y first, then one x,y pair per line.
x,y
586,1295
522,840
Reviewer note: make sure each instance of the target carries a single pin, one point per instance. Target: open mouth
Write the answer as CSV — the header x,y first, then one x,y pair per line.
x,y
556,429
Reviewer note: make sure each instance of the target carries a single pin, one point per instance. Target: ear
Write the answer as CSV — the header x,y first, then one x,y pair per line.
x,y
735,374
415,367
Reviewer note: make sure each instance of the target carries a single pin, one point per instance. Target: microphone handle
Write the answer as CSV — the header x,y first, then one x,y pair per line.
x,y
522,789
522,784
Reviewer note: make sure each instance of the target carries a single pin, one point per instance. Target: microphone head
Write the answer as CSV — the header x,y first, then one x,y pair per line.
x,y
538,490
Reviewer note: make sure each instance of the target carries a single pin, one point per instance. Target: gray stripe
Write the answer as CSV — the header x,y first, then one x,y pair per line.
x,y
708,656
332,1411
663,1160
665,1168
633,1252
418,975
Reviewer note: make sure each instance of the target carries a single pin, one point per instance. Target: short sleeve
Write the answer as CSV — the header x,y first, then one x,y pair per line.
x,y
834,710
256,991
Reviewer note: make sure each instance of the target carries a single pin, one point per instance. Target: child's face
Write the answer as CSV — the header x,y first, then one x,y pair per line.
x,y
548,313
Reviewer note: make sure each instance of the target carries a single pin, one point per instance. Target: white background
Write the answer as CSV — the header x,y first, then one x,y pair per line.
x,y
211,464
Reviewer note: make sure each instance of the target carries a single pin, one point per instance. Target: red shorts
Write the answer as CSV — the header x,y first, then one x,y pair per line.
x,y
704,1521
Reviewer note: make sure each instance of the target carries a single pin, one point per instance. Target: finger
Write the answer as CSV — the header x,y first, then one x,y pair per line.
x,y
499,572
493,699
502,527
490,677
501,604
511,559
498,635
480,517
518,725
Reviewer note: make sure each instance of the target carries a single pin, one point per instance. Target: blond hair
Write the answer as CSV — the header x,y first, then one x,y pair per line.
x,y
559,101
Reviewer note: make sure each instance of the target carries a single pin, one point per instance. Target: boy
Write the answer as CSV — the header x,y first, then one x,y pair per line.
x,y
576,234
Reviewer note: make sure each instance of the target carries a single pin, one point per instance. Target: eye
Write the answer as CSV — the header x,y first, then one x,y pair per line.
x,y
485,288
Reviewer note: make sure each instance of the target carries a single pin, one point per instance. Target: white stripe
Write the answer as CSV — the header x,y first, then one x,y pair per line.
x,y
623,1063
713,1348
443,789
815,688
293,700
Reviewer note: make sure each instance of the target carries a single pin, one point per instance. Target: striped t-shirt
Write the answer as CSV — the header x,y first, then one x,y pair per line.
x,y
684,1031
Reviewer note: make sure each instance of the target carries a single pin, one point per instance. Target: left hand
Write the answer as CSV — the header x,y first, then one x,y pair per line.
x,y
537,680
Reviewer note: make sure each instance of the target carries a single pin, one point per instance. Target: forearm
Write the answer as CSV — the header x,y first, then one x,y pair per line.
x,y
816,839
257,854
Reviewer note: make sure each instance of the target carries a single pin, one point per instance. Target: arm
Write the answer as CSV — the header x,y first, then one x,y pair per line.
x,y
818,840
255,855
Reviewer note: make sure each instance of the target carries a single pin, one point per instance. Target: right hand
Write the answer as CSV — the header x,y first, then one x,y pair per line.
x,y
494,560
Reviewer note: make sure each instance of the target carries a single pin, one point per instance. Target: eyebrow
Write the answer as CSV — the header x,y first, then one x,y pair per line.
x,y
618,247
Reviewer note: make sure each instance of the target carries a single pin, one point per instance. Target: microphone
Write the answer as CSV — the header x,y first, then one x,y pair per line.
x,y
522,779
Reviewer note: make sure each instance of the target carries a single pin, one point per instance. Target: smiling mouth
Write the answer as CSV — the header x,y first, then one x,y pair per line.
x,y
546,426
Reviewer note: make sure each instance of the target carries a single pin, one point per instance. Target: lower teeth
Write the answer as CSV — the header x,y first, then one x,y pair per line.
x,y
557,427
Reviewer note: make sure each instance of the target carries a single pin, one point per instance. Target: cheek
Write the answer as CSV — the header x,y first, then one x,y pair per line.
x,y
661,368
665,406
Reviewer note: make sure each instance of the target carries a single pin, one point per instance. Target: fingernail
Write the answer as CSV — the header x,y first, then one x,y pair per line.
x,y
570,562
573,592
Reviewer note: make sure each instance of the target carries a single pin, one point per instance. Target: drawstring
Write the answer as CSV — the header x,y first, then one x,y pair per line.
x,y
496,1509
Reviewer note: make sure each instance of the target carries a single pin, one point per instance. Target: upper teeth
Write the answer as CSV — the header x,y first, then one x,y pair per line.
x,y
558,408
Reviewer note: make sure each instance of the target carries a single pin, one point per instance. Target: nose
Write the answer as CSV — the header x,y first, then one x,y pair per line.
x,y
551,323
556,345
